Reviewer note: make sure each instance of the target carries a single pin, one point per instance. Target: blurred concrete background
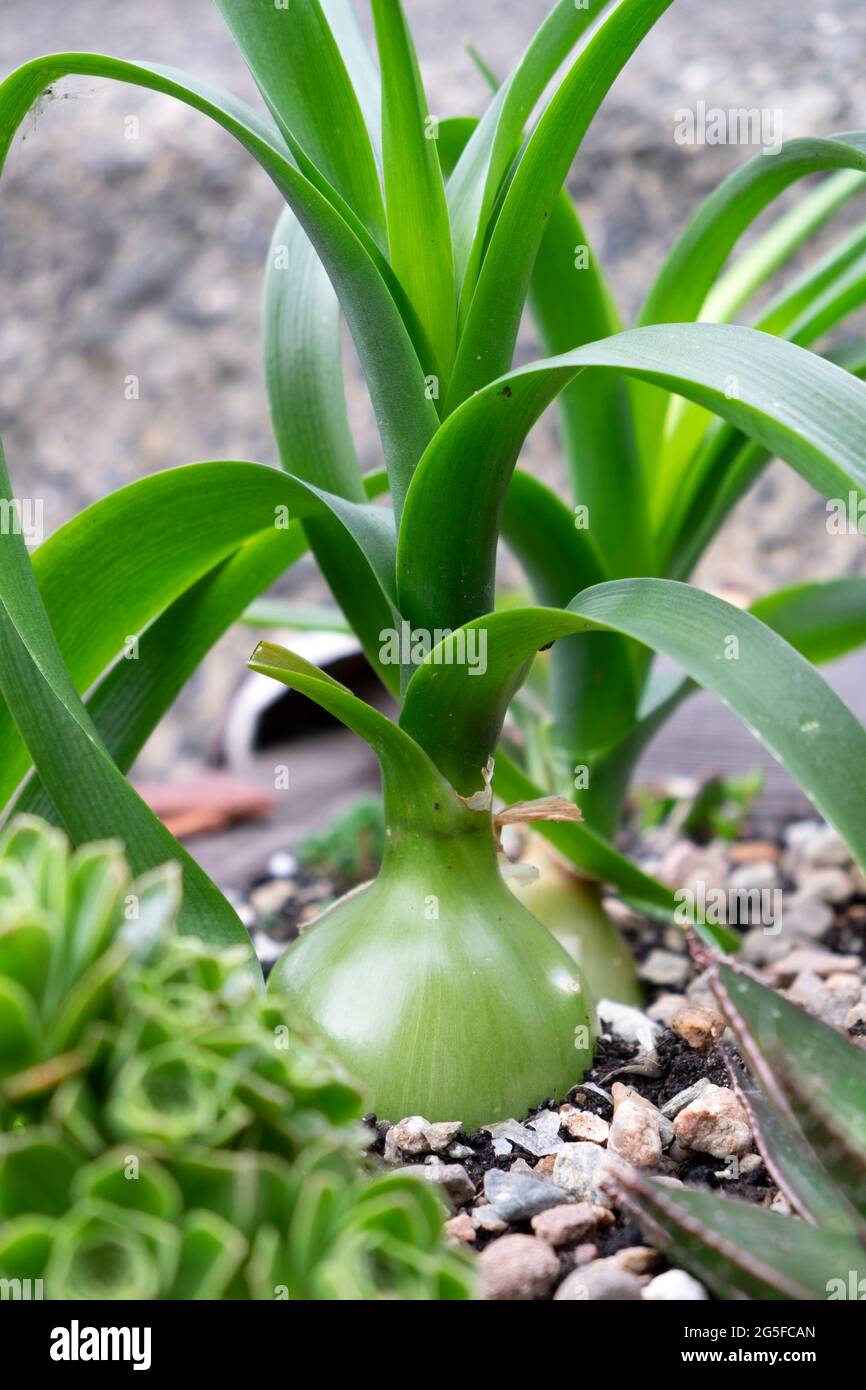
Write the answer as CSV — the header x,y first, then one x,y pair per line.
x,y
143,256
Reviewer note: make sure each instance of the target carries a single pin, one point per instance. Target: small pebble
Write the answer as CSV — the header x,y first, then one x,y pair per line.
x,y
830,1002
636,1259
516,1197
634,1134
440,1136
856,1015
699,1026
599,1281
665,968
664,1007
486,1218
753,852
453,1177
750,1163
460,1228
674,1286
678,1102
564,1225
761,876
271,896
824,848
282,864
814,961
585,1253
715,1123
761,947
630,1024
575,1171
805,915
582,1124
827,885
517,1269
410,1135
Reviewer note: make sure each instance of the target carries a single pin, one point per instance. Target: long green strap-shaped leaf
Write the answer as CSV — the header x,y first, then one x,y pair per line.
x,y
684,280
592,685
814,303
362,71
411,782
731,465
776,692
776,246
455,707
490,332
304,377
407,418
131,699
136,551
790,1160
133,553
92,796
477,179
700,485
807,1069
799,406
303,365
419,232
571,306
681,287
823,620
737,1249
300,72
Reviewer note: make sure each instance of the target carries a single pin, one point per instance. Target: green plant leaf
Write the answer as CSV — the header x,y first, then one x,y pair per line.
x,y
796,405
211,1252
137,550
300,72
36,1173
133,696
736,1248
793,1165
25,1244
491,325
691,269
776,246
369,295
479,174
774,690
824,620
90,793
419,233
456,712
303,372
409,777
820,1074
560,560
571,305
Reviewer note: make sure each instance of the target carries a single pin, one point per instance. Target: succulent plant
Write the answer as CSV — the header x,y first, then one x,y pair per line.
x,y
805,1094
165,1130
